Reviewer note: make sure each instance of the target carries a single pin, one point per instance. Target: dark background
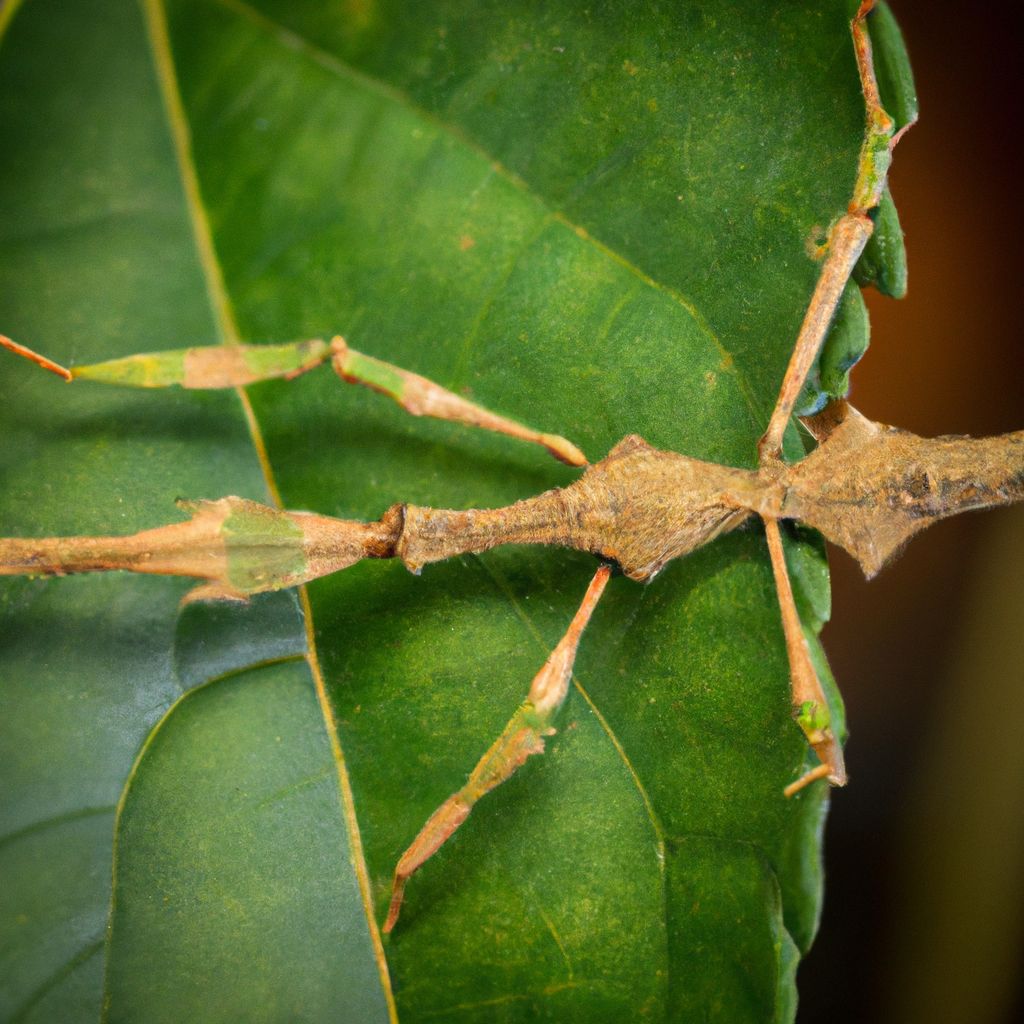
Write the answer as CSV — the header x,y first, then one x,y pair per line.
x,y
924,910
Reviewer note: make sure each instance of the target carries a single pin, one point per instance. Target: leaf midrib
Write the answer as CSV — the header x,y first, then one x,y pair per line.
x,y
221,307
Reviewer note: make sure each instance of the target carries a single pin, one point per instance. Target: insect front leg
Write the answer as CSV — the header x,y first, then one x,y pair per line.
x,y
422,397
810,706
523,736
236,366
846,241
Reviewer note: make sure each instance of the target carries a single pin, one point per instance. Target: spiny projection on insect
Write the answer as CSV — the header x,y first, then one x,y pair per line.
x,y
866,487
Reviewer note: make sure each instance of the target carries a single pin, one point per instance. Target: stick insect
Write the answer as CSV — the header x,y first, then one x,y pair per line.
x,y
868,488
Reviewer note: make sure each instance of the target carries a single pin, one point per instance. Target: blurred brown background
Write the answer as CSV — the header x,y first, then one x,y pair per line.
x,y
924,911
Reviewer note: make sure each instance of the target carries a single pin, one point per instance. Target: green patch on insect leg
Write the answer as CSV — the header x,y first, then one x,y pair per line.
x,y
209,368
876,150
204,368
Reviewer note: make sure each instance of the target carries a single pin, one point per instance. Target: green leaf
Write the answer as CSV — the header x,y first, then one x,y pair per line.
x,y
884,260
596,220
844,346
892,67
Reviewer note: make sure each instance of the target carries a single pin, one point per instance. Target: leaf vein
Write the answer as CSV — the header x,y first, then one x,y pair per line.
x,y
76,960
220,300
54,821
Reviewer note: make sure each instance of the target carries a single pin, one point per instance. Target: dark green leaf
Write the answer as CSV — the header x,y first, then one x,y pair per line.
x,y
884,260
892,67
597,220
845,344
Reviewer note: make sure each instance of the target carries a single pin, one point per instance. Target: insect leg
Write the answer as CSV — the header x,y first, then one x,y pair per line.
x,y
422,397
232,366
846,241
523,736
810,706
204,368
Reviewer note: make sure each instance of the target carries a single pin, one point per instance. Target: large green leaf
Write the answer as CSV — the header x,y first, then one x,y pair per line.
x,y
596,219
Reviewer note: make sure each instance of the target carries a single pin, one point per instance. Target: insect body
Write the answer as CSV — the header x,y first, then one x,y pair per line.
x,y
867,488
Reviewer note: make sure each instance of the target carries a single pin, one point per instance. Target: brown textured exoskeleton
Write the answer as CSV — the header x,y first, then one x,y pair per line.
x,y
868,488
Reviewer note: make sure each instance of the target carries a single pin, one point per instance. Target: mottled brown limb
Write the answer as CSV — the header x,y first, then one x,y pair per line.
x,y
551,684
522,737
214,367
810,706
194,548
236,546
423,397
35,357
846,241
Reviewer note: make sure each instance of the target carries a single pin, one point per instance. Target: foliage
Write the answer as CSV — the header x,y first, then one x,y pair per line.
x,y
597,220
